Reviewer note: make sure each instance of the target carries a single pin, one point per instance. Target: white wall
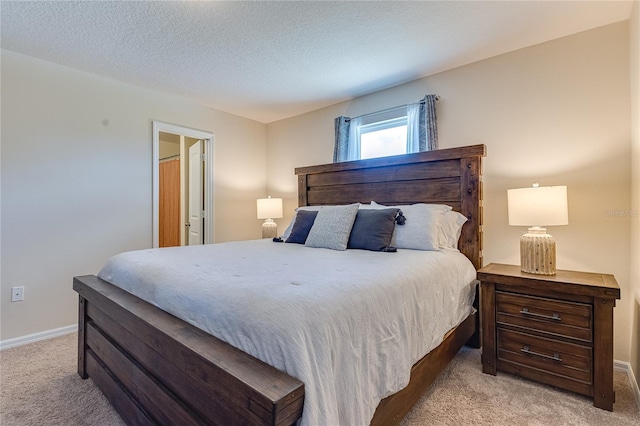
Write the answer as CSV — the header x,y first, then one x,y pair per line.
x,y
634,50
76,181
76,164
557,113
168,149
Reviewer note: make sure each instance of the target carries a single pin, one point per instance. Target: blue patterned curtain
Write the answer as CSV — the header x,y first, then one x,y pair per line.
x,y
341,149
428,126
353,150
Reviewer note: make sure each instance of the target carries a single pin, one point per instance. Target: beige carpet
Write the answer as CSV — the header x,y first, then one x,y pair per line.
x,y
39,386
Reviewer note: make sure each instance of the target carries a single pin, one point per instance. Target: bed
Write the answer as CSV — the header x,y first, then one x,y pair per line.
x,y
157,369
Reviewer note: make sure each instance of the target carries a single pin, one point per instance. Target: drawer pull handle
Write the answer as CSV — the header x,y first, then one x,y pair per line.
x,y
555,316
555,357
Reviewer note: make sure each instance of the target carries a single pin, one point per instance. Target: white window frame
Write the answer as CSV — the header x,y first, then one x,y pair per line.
x,y
383,125
378,125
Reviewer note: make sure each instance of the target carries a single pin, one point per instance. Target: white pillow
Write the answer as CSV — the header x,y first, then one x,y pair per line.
x,y
421,230
451,228
332,227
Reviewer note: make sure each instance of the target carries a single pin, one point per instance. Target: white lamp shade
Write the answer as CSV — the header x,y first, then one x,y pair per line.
x,y
269,208
538,206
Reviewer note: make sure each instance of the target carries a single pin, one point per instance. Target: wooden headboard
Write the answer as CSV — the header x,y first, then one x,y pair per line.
x,y
447,176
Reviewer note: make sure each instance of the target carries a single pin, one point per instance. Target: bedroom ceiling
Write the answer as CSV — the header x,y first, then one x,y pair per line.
x,y
272,60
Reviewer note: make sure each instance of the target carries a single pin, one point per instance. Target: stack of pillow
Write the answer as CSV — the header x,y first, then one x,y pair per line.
x,y
373,227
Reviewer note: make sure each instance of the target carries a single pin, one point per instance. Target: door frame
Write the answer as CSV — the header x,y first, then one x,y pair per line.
x,y
208,138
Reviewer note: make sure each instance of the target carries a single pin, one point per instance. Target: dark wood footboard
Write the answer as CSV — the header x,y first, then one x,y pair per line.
x,y
157,369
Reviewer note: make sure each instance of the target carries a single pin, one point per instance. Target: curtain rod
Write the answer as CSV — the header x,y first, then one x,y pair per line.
x,y
171,157
391,109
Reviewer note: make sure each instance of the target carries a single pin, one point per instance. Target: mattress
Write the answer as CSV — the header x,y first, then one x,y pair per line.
x,y
349,324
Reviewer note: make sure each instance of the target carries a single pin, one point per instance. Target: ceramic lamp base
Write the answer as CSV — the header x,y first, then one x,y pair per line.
x,y
538,252
269,229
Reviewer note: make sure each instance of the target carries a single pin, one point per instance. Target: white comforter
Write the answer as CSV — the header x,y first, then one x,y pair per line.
x,y
349,324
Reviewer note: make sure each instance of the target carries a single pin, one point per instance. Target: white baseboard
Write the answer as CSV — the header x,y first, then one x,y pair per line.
x,y
625,366
35,337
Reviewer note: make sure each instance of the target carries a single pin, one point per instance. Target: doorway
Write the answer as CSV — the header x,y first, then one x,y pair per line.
x,y
182,186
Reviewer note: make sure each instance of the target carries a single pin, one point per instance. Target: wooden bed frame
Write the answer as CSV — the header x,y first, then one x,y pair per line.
x,y
156,369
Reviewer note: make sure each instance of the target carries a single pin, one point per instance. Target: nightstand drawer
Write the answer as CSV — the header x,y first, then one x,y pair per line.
x,y
565,360
562,318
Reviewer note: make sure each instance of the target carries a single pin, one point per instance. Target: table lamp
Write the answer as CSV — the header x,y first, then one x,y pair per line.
x,y
537,207
269,209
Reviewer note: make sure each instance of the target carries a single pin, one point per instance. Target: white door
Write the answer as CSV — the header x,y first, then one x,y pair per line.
x,y
196,202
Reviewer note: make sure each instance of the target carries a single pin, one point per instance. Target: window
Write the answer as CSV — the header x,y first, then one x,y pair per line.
x,y
394,131
383,138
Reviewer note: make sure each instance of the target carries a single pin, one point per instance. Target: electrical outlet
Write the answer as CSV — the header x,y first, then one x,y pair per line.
x,y
17,294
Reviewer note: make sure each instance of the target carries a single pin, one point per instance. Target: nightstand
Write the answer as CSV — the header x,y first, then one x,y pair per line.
x,y
555,329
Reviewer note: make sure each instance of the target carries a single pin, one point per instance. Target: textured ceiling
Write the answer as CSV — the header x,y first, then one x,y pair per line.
x,y
272,60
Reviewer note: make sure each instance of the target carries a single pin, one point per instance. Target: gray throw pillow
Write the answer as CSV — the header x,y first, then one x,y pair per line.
x,y
373,229
332,227
302,226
